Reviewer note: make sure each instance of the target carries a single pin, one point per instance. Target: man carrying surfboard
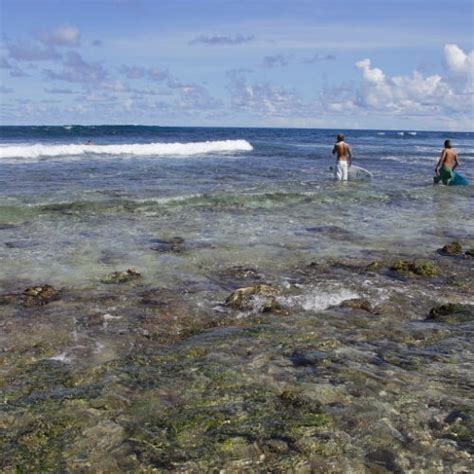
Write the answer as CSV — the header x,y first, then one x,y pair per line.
x,y
447,162
343,153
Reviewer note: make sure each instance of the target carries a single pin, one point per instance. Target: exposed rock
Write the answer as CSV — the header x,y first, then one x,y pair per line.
x,y
358,303
452,313
469,252
453,248
259,297
121,277
39,295
426,268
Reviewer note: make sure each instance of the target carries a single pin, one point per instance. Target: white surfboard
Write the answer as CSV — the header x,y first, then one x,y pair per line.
x,y
356,173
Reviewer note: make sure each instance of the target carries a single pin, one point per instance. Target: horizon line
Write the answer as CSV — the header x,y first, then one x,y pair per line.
x,y
240,127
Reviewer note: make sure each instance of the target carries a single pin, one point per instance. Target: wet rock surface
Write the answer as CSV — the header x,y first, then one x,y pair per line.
x,y
365,373
425,268
262,298
121,277
453,248
452,313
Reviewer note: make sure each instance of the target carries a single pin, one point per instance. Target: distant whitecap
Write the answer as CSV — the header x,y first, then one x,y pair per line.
x,y
27,152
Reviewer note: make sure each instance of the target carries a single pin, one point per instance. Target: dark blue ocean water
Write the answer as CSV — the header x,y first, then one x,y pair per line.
x,y
278,156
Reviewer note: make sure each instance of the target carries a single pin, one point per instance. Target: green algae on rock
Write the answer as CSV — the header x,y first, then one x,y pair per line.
x,y
425,268
452,313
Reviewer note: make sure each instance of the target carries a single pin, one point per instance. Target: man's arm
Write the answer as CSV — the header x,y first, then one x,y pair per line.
x,y
349,154
456,161
440,161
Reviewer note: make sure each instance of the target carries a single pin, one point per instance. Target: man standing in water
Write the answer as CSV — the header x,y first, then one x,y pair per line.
x,y
447,162
343,153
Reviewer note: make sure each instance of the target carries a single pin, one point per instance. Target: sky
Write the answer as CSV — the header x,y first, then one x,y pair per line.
x,y
382,64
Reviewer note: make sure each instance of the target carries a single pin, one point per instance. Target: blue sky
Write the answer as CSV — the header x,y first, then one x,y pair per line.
x,y
336,64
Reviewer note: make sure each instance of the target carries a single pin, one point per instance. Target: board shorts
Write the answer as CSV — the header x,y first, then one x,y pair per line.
x,y
445,175
342,169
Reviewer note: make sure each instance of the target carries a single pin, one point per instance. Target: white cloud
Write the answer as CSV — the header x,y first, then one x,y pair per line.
x,y
219,40
458,61
263,98
66,35
26,50
76,69
277,60
374,75
440,97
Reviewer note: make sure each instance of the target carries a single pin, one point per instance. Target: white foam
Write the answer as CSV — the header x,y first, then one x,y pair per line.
x,y
62,357
33,152
319,300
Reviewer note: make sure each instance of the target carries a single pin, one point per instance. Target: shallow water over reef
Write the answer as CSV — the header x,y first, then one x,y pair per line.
x,y
127,345
350,373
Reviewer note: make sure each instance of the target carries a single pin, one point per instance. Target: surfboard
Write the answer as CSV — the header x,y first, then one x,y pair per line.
x,y
459,180
356,173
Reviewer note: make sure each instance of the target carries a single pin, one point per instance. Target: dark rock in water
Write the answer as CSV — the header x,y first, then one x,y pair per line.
x,y
452,313
358,303
19,245
453,248
383,458
456,415
426,268
39,295
121,277
261,298
174,245
307,357
7,226
469,252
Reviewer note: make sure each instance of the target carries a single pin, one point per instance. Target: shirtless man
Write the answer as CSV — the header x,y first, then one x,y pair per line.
x,y
447,162
343,153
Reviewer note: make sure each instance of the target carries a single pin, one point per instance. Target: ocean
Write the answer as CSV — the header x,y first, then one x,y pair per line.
x,y
121,245
250,194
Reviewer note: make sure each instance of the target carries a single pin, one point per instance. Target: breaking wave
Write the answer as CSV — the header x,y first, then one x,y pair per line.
x,y
32,152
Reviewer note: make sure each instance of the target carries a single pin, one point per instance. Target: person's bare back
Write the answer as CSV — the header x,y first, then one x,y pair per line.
x,y
448,158
342,151
447,162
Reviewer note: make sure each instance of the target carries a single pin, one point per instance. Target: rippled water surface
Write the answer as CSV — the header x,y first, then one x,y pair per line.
x,y
342,369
